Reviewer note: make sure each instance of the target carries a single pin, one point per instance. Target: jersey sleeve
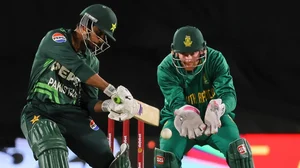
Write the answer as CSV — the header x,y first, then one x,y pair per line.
x,y
90,93
223,82
56,46
170,87
89,97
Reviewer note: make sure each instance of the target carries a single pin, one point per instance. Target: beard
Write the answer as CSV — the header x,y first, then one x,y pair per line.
x,y
91,46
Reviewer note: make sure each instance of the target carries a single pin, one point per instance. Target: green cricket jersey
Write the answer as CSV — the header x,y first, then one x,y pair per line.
x,y
58,73
214,81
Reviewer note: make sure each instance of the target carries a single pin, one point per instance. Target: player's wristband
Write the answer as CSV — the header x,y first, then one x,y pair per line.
x,y
109,90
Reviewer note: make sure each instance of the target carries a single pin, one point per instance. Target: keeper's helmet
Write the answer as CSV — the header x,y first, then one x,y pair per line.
x,y
188,40
104,19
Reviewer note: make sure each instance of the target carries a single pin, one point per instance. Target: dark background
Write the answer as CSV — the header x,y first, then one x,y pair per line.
x,y
260,41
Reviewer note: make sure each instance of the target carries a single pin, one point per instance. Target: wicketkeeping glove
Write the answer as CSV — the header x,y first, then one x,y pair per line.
x,y
188,122
214,112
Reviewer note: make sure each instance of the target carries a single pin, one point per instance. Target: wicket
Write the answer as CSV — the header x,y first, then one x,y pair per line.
x,y
126,138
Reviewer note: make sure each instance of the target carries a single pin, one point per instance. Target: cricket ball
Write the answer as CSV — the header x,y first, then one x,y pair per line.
x,y
166,133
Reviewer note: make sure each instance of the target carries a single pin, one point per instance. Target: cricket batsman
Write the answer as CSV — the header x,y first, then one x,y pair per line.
x,y
63,93
200,99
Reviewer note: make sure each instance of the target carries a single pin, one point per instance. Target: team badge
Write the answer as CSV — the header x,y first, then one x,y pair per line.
x,y
93,125
35,119
187,41
113,27
205,80
59,38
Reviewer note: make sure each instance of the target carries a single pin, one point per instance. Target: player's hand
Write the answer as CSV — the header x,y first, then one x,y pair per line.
x,y
123,111
119,117
121,95
126,108
110,106
214,111
188,122
131,105
114,110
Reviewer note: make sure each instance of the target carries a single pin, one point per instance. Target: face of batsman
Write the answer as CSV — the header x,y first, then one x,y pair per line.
x,y
98,22
189,50
95,40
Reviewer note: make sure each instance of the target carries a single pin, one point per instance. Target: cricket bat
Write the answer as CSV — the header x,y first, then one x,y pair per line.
x,y
149,115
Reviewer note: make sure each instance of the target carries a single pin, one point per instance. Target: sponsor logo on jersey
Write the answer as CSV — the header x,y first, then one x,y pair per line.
x,y
59,38
93,125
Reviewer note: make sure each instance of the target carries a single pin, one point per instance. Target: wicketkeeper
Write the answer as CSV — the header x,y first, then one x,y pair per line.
x,y
200,99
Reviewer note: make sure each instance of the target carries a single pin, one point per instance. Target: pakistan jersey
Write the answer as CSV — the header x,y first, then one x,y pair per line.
x,y
58,73
214,81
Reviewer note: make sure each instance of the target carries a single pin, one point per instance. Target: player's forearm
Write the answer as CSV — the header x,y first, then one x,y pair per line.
x,y
97,82
229,99
173,97
94,105
170,89
98,106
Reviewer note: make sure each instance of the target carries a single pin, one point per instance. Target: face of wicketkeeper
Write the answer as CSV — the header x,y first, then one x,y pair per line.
x,y
190,61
